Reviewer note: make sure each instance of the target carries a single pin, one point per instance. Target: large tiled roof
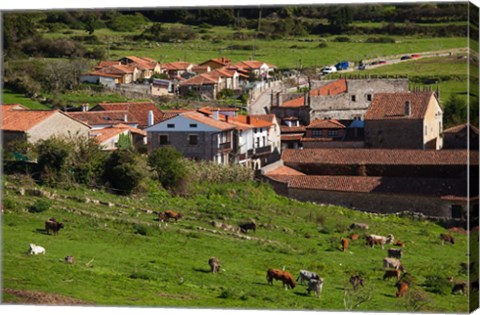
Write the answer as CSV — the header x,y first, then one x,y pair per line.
x,y
221,61
143,63
334,88
253,120
23,120
251,64
208,120
392,105
137,111
201,79
102,135
295,129
438,187
325,124
378,156
102,117
176,65
284,171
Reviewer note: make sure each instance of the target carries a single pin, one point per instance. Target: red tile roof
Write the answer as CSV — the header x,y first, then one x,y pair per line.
x,y
176,65
201,79
102,117
208,120
334,88
291,137
283,170
137,111
378,156
296,129
102,135
325,124
392,105
221,61
142,63
23,120
252,64
103,74
253,120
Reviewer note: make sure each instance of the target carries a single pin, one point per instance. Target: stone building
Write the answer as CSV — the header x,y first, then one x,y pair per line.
x,y
411,120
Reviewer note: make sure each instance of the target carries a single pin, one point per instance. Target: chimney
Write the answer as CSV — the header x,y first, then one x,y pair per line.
x,y
248,119
150,118
408,109
85,107
125,118
226,118
215,114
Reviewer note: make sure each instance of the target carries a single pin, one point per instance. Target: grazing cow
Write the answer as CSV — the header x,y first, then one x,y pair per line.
x,y
54,226
392,263
169,214
395,253
373,240
35,249
392,274
362,226
354,237
214,264
402,288
315,285
344,243
69,260
306,275
446,238
248,226
355,281
399,243
284,276
459,287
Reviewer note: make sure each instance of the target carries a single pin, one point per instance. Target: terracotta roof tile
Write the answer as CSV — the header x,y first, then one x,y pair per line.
x,y
334,88
137,111
296,129
102,135
221,61
208,120
291,137
325,124
23,120
392,105
201,79
176,65
284,170
378,156
102,117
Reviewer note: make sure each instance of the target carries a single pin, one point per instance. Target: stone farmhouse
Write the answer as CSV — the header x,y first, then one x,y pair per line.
x,y
409,120
109,137
21,124
380,180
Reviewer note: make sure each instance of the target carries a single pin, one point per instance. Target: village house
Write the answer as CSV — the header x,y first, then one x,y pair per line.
x,y
103,119
196,135
461,137
21,124
410,120
380,180
162,87
110,73
109,137
216,63
174,70
210,84
260,70
145,65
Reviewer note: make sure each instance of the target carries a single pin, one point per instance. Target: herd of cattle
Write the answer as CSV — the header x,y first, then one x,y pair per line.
x,y
391,264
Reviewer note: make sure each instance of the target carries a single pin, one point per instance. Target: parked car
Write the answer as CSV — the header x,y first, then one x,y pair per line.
x,y
382,62
405,58
362,66
328,70
415,56
342,65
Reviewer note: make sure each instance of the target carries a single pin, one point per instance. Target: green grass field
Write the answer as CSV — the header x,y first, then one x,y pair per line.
x,y
9,97
168,266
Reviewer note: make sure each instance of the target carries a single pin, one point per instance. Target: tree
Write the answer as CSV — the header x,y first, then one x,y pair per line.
x,y
168,164
124,171
454,111
90,25
53,155
341,18
124,142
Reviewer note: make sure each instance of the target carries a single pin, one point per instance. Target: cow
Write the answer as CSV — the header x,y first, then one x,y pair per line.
x,y
36,250
402,288
54,226
446,238
361,226
169,214
344,242
284,276
244,227
214,264
373,240
459,287
392,263
354,237
392,274
69,260
355,281
395,253
315,285
306,275
399,243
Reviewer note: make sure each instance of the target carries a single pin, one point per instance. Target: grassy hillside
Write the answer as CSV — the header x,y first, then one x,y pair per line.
x,y
117,265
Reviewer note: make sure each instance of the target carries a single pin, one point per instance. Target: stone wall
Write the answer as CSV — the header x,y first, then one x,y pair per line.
x,y
204,150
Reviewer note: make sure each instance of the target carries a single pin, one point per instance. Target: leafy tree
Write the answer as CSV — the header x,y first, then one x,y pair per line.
x,y
454,111
90,25
341,18
124,142
168,164
124,171
16,28
53,156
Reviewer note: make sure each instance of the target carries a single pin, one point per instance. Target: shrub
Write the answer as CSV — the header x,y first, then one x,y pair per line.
x,y
39,206
10,204
124,170
382,40
168,164
438,284
140,229
322,45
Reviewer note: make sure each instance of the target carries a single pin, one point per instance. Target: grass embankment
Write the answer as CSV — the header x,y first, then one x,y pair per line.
x,y
168,266
10,97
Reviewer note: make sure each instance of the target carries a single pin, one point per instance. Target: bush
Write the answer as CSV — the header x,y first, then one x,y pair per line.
x,y
382,40
10,204
322,45
125,170
438,284
39,206
140,229
168,164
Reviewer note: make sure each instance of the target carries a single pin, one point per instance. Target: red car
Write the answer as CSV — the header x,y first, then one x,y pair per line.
x,y
415,56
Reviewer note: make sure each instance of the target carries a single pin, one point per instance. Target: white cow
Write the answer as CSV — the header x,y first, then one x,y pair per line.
x,y
315,285
392,263
306,275
35,249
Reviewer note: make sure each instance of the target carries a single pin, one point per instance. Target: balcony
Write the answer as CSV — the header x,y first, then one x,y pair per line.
x,y
256,152
226,146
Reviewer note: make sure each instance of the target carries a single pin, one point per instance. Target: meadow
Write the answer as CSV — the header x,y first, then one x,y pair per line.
x,y
124,257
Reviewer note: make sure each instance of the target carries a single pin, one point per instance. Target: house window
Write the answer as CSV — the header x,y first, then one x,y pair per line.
x,y
170,125
426,130
192,139
193,125
317,133
369,97
354,98
257,142
333,133
163,139
255,130
264,140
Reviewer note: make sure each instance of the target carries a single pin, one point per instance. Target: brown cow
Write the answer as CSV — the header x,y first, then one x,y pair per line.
x,y
392,274
214,263
354,237
344,243
169,214
54,226
284,276
402,288
399,243
446,238
355,281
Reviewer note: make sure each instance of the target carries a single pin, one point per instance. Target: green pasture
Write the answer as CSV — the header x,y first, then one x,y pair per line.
x,y
10,97
168,266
